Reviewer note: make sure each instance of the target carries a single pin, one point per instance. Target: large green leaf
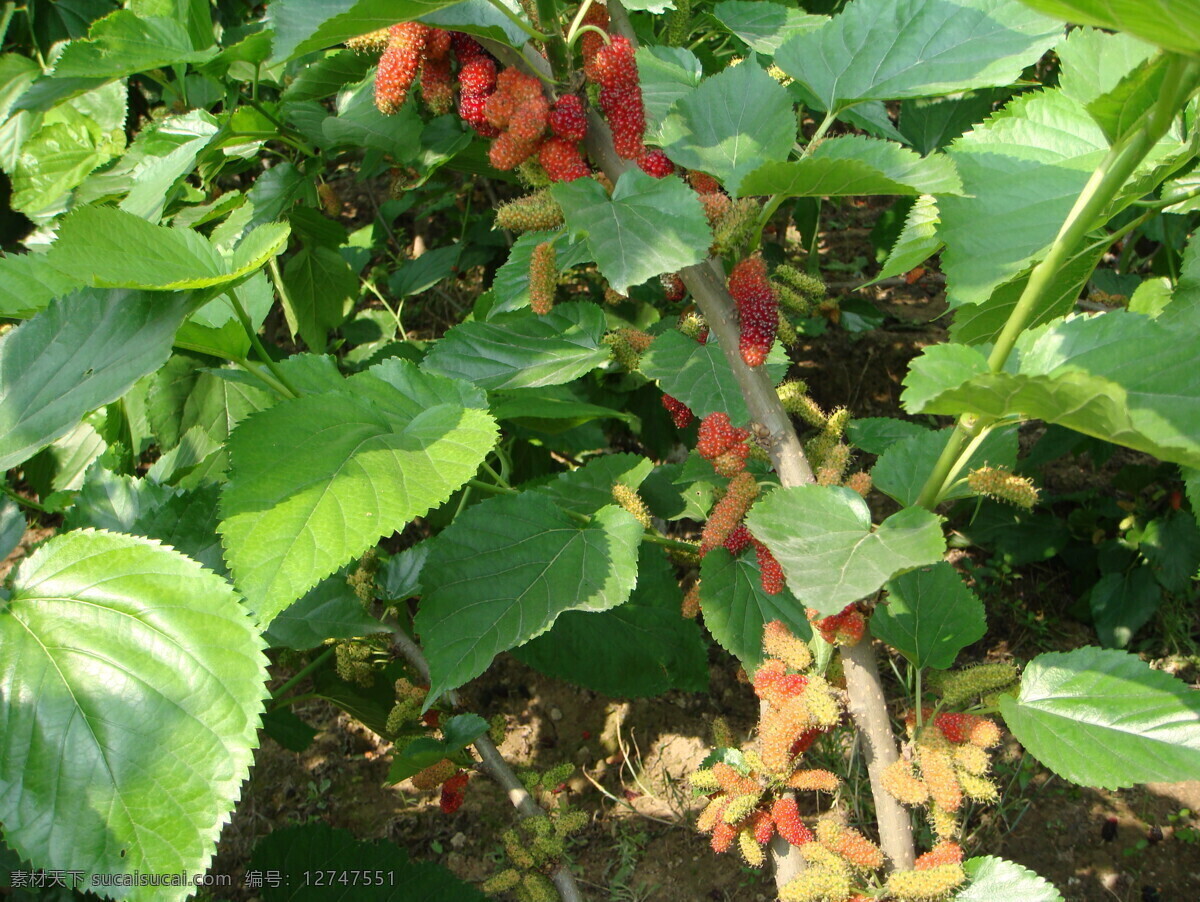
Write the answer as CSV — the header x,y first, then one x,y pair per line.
x,y
736,607
930,123
1173,24
321,288
586,489
996,880
764,25
28,283
699,375
665,74
302,26
131,682
79,353
918,240
930,616
123,43
894,49
1120,377
317,848
649,226
506,569
855,165
148,173
1122,603
641,648
317,480
1104,718
831,556
982,323
110,248
523,350
730,124
1106,73
74,138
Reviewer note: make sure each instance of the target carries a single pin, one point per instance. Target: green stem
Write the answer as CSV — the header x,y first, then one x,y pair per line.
x,y
776,200
244,318
518,21
292,700
1108,179
22,500
1125,156
655,539
556,46
318,661
577,23
920,696
600,31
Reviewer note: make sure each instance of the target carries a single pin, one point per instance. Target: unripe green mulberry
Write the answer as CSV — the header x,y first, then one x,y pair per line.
x,y
795,400
678,20
750,849
632,502
538,888
536,212
977,788
568,822
805,286
1003,485
735,226
538,825
958,687
816,884
741,808
498,728
514,846
502,882
543,278
704,781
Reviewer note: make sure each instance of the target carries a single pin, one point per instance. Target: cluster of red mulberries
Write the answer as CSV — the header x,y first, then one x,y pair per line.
x,y
614,69
843,628
757,309
476,82
399,64
519,111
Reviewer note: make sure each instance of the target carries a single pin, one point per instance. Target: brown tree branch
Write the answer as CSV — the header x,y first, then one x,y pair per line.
x,y
492,763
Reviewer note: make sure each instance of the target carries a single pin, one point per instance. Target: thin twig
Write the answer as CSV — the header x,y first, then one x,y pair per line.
x,y
492,763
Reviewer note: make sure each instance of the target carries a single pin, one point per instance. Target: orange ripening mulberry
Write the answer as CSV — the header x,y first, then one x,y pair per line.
x,y
731,462
945,852
757,309
437,44
728,512
437,89
723,836
768,677
590,42
703,183
398,65
844,628
814,781
902,784
787,821
712,814
777,738
568,119
562,161
681,414
763,827
718,435
937,770
543,277
850,844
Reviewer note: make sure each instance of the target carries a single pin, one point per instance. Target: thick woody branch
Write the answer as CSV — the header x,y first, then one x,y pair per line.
x,y
492,764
